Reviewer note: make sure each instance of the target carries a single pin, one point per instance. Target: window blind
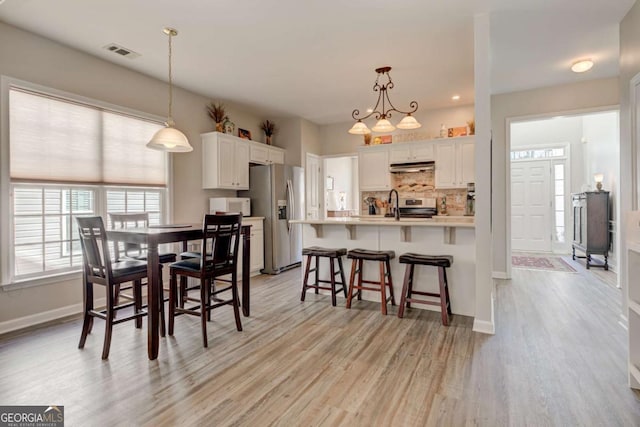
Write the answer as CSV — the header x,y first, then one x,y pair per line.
x,y
55,140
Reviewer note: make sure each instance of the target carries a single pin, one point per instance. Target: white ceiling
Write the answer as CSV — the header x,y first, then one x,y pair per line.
x,y
316,58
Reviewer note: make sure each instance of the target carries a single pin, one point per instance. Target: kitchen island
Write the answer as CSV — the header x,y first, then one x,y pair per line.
x,y
447,235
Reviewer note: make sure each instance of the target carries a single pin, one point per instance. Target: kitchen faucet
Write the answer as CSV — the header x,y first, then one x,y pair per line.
x,y
397,213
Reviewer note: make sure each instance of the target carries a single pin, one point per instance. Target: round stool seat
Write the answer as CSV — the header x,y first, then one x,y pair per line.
x,y
434,260
370,255
326,252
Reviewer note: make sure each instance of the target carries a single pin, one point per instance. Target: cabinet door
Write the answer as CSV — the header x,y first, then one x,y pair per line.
x,y
226,164
241,166
259,154
422,152
373,170
399,154
466,164
276,156
445,165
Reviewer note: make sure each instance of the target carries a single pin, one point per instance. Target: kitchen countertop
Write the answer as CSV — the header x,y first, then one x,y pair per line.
x,y
436,221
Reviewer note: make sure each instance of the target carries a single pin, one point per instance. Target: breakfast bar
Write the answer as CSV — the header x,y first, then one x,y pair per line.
x,y
441,235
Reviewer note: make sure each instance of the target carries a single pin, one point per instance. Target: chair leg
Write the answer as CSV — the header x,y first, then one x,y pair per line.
x,y
108,329
390,282
317,274
360,273
383,289
344,282
204,299
183,291
173,300
306,278
332,272
236,300
88,306
116,298
410,290
405,289
163,328
352,278
210,284
444,311
137,301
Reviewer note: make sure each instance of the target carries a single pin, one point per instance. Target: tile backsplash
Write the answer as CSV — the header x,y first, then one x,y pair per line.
x,y
418,185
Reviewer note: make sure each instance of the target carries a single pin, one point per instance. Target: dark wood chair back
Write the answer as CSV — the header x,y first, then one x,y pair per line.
x,y
221,238
95,249
128,220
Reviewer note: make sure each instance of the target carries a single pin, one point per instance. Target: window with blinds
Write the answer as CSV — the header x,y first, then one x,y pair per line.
x,y
70,159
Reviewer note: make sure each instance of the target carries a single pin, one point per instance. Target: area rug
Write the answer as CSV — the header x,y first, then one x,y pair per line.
x,y
541,262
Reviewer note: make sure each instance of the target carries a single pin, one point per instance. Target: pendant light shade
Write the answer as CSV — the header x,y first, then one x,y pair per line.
x,y
383,125
409,122
359,128
170,139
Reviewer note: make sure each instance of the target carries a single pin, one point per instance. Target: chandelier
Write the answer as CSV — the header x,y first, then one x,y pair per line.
x,y
169,138
383,124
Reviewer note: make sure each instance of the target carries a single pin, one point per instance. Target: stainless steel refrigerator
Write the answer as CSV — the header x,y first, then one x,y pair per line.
x,y
277,194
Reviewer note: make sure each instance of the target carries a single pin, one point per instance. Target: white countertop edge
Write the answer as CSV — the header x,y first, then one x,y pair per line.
x,y
390,222
249,218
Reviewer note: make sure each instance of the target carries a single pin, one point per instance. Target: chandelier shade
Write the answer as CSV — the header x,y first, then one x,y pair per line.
x,y
170,139
384,109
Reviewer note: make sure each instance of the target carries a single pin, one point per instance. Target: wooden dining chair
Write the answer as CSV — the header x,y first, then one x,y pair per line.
x,y
123,250
99,269
220,243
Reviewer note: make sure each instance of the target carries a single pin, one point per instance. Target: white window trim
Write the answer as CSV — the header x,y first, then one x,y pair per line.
x,y
6,248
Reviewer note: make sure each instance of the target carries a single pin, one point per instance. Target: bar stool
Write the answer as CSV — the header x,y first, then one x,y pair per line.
x,y
358,256
440,261
333,255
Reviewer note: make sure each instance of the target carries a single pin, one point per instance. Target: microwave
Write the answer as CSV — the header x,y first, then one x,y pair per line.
x,y
230,204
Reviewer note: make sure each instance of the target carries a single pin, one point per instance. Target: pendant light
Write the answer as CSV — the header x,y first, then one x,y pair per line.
x,y
383,124
169,138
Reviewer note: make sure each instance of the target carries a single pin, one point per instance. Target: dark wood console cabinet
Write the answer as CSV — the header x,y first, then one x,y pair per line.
x,y
591,226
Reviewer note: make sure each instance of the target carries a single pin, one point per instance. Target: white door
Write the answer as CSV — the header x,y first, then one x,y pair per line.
x,y
312,186
531,206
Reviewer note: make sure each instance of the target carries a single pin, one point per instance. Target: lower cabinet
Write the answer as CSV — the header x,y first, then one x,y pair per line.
x,y
257,246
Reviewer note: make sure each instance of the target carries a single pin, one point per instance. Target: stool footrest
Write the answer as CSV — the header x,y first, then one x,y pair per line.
x,y
427,294
423,301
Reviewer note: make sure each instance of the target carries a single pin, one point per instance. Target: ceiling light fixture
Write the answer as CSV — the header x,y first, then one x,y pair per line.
x,y
456,97
169,138
582,66
383,124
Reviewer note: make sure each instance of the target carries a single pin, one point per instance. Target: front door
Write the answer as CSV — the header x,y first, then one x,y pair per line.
x,y
531,206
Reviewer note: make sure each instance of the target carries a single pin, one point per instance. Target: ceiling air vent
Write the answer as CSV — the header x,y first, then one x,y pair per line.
x,y
122,51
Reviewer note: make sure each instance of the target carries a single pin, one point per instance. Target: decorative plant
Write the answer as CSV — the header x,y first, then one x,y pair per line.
x,y
268,127
216,112
472,127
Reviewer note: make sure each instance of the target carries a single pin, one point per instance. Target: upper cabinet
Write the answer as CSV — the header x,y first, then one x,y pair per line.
x,y
455,162
373,168
264,154
225,162
411,152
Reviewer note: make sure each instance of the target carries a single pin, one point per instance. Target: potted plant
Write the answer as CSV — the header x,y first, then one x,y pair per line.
x,y
269,129
217,114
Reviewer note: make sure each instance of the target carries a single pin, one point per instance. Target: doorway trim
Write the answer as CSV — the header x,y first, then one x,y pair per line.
x,y
508,121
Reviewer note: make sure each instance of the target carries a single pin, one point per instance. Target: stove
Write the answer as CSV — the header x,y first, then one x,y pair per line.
x,y
418,208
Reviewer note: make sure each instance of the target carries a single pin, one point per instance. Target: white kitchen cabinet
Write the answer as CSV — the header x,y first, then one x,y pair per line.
x,y
264,154
455,163
257,246
411,152
373,169
225,161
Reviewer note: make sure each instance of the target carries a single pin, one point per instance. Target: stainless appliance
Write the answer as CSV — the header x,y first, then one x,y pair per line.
x,y
411,167
418,208
470,207
277,194
230,204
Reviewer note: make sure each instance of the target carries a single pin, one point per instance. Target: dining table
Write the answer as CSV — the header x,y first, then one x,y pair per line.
x,y
152,237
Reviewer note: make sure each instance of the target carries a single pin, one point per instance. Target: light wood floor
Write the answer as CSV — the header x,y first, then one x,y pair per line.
x,y
558,359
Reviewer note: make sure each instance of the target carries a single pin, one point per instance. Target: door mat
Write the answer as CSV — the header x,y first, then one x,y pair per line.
x,y
549,263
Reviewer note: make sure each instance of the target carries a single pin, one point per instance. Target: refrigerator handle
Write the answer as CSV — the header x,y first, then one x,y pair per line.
x,y
289,203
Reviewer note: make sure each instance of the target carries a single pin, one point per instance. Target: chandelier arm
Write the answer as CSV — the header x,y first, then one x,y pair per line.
x,y
356,112
170,118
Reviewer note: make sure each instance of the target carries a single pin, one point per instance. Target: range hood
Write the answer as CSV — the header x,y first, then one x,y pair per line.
x,y
411,167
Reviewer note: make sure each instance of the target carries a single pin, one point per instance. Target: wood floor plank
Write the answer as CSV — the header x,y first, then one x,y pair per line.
x,y
558,358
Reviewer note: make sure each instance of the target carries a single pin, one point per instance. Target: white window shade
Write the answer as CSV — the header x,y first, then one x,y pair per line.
x,y
54,140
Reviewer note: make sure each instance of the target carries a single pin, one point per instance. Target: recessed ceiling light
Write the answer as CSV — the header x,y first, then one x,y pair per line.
x,y
455,97
369,110
582,66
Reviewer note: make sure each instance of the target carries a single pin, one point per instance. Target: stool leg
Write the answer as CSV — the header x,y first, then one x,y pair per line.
x,y
446,289
410,290
360,273
316,273
332,272
344,282
390,283
351,282
443,304
306,278
173,300
405,289
383,290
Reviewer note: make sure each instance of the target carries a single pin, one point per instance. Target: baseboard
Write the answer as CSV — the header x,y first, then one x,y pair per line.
x,y
47,316
499,275
484,327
